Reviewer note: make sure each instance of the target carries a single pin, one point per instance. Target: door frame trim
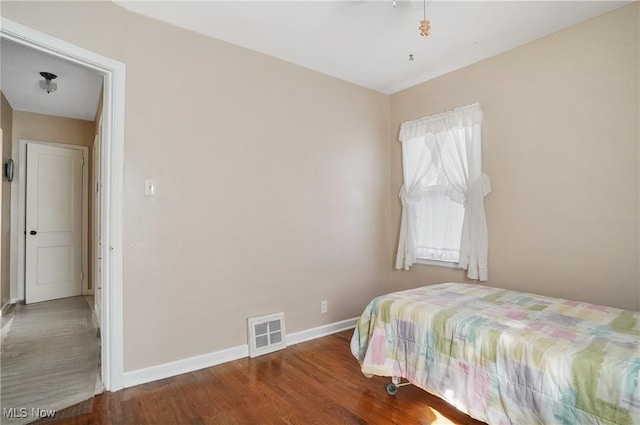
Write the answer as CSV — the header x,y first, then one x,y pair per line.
x,y
96,195
114,74
22,211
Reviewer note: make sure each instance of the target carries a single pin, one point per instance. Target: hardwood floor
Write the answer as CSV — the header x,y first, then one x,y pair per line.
x,y
316,382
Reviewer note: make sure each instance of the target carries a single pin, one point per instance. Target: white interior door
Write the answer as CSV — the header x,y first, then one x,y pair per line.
x,y
53,253
97,227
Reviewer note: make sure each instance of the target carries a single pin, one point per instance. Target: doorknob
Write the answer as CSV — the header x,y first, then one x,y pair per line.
x,y
33,232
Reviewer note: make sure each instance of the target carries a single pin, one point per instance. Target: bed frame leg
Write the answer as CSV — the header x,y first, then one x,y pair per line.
x,y
392,388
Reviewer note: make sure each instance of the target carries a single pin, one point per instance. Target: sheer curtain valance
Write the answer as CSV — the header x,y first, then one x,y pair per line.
x,y
444,152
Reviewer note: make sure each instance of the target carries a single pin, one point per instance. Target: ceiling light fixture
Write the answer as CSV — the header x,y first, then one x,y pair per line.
x,y
424,24
46,84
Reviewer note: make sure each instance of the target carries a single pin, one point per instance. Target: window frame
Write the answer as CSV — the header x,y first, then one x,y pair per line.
x,y
439,263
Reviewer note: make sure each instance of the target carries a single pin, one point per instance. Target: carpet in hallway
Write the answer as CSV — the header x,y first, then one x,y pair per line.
x,y
49,359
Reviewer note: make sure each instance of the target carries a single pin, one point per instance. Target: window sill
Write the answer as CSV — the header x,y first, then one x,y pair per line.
x,y
446,264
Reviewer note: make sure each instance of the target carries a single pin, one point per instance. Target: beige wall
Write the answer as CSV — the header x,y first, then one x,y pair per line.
x,y
47,128
272,184
561,146
6,123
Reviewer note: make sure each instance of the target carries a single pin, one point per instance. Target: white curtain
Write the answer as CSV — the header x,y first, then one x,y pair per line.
x,y
445,151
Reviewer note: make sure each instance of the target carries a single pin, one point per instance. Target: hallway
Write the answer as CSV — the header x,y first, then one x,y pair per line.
x,y
50,358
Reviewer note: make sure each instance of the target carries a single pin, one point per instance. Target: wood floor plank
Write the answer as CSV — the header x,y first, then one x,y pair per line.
x,y
316,382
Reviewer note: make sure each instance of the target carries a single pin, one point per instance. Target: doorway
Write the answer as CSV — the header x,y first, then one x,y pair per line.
x,y
54,222
112,159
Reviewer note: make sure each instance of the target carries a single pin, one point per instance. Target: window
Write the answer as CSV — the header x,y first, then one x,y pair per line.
x,y
443,193
439,227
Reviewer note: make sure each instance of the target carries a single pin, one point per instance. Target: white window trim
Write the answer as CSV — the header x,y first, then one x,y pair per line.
x,y
439,263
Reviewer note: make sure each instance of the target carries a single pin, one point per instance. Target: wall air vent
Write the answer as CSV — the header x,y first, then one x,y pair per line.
x,y
266,334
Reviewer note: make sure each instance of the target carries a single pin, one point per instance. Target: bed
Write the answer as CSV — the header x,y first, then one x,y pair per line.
x,y
506,357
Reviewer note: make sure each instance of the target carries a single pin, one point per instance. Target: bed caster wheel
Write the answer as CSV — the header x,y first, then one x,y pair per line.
x,y
392,389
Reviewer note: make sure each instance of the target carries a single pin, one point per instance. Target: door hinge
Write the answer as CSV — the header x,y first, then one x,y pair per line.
x,y
81,276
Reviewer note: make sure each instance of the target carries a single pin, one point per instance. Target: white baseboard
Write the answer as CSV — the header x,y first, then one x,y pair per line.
x,y
5,307
178,367
320,331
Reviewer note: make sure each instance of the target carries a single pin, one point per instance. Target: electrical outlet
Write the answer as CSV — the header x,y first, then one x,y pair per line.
x,y
324,306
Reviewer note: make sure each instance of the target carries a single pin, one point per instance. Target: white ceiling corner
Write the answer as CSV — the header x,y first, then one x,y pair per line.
x,y
364,42
369,42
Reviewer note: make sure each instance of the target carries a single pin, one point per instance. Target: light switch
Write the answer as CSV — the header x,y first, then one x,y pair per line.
x,y
149,187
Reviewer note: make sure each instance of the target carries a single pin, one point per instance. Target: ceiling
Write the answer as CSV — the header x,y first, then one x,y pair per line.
x,y
369,42
78,91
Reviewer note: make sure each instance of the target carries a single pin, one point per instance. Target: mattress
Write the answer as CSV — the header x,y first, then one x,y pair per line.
x,y
506,357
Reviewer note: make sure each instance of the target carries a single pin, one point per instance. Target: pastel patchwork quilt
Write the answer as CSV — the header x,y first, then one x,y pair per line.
x,y
507,357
